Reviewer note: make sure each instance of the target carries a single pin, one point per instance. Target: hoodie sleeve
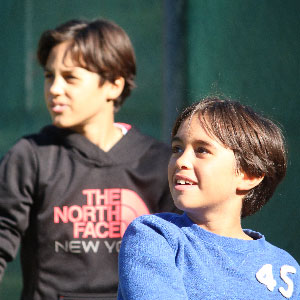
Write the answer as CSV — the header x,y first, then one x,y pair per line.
x,y
18,170
147,263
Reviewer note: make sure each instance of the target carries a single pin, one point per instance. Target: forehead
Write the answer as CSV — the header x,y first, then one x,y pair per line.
x,y
196,129
57,53
194,126
61,55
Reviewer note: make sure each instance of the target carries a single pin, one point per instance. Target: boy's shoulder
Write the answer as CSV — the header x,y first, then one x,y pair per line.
x,y
137,145
48,135
278,271
277,254
160,222
155,228
136,136
159,218
27,143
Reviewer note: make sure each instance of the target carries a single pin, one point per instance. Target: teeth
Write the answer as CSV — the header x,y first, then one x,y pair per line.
x,y
181,181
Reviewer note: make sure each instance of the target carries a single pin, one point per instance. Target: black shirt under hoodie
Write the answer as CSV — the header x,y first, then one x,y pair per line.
x,y
69,203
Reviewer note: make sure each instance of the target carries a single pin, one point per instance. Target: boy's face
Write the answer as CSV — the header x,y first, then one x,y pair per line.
x,y
202,172
73,94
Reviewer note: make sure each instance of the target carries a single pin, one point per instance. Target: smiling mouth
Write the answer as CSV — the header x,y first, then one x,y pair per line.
x,y
184,182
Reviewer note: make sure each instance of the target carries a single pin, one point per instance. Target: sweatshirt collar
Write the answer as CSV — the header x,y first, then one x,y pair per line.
x,y
130,147
257,244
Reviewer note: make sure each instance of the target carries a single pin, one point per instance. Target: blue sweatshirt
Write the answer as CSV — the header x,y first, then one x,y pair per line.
x,y
166,256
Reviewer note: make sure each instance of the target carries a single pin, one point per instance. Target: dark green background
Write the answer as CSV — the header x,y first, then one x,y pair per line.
x,y
250,50
244,49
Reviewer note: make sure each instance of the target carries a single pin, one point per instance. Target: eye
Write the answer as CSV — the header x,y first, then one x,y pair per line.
x,y
176,149
48,75
202,150
70,77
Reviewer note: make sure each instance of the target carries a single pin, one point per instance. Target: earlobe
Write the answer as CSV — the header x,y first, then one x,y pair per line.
x,y
116,88
248,182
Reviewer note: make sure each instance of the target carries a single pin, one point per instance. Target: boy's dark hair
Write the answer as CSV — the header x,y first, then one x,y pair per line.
x,y
258,144
100,46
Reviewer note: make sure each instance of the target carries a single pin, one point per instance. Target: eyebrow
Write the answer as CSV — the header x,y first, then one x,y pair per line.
x,y
175,139
67,70
199,142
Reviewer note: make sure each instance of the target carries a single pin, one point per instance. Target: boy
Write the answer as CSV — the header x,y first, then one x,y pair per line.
x,y
69,192
226,163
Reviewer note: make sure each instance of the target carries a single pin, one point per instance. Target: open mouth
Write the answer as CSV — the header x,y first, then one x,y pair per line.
x,y
184,182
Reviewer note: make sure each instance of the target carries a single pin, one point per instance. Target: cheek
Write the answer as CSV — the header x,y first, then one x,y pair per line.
x,y
46,89
226,177
171,168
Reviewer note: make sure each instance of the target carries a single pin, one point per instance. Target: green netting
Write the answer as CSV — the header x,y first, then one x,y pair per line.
x,y
250,50
244,49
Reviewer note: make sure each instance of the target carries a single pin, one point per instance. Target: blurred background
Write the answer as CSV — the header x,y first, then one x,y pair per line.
x,y
186,49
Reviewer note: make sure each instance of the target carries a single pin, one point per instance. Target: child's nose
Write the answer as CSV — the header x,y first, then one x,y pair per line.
x,y
184,161
56,86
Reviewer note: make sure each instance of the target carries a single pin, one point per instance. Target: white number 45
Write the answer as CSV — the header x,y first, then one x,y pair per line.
x,y
265,276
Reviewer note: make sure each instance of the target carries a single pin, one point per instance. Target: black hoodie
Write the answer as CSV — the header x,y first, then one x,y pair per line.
x,y
68,203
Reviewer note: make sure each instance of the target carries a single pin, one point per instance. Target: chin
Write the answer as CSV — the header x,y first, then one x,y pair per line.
x,y
179,204
61,124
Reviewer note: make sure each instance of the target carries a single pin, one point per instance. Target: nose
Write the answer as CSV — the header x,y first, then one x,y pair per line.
x,y
185,160
54,86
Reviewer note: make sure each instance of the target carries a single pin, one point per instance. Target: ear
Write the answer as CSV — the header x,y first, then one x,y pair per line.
x,y
247,182
116,88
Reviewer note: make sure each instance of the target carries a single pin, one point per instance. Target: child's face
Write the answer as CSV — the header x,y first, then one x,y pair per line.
x,y
73,94
202,172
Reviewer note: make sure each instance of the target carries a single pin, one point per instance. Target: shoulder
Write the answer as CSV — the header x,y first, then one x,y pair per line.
x,y
153,146
282,256
22,151
166,225
159,219
272,253
29,146
20,162
278,268
48,135
135,134
152,235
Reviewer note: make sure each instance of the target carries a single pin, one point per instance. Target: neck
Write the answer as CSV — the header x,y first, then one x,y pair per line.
x,y
104,137
102,133
226,224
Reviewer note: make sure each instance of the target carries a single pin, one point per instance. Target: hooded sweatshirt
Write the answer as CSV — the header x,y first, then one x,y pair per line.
x,y
68,204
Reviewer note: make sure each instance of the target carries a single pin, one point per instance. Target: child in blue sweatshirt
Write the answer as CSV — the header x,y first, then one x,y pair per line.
x,y
226,164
